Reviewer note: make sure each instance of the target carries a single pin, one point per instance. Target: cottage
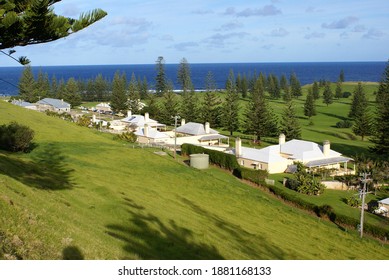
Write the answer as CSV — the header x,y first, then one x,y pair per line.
x,y
137,122
279,158
24,104
103,108
54,105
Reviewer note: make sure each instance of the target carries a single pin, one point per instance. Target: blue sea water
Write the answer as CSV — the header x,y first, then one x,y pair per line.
x,y
307,72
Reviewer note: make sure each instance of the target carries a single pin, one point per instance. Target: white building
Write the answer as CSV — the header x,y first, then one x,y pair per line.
x,y
52,104
279,158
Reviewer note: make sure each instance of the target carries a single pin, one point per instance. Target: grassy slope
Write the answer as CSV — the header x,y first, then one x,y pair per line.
x,y
81,194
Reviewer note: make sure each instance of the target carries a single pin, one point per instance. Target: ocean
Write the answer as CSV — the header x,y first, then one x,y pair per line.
x,y
307,72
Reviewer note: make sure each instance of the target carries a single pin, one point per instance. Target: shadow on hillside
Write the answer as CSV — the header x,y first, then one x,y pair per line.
x,y
335,116
330,133
150,238
72,253
47,170
255,246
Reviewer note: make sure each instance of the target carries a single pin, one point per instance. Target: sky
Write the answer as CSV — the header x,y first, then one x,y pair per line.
x,y
215,31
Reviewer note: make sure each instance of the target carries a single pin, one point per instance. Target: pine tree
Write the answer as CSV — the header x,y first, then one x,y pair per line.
x,y
153,107
381,125
359,102
284,83
316,90
133,95
42,85
341,76
27,85
189,107
338,90
34,22
101,87
184,76
295,86
230,111
72,93
328,94
259,119
119,96
362,124
210,109
169,106
210,84
290,126
309,106
160,80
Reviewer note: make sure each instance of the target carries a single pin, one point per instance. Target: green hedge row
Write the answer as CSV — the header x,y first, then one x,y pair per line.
x,y
227,161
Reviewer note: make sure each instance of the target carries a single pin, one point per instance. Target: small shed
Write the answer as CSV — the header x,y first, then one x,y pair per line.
x,y
384,203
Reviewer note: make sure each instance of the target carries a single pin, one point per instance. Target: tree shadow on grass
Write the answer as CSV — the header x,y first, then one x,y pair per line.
x,y
72,253
150,238
253,245
47,170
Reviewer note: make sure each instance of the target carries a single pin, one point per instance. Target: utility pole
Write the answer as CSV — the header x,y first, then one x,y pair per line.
x,y
175,135
364,181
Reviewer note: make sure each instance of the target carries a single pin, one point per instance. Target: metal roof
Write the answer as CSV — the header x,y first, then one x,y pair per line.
x,y
327,161
54,102
212,137
194,129
384,201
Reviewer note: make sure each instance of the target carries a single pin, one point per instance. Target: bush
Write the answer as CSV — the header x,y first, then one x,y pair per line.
x,y
15,137
353,201
344,124
227,161
346,94
127,136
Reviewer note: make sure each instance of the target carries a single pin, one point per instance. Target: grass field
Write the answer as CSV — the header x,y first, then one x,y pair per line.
x,y
79,194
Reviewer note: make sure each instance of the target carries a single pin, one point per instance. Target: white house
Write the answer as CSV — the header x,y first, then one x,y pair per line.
x,y
279,158
103,107
24,104
138,121
148,134
51,104
383,207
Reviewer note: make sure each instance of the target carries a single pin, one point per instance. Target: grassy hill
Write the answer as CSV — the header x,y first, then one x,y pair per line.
x,y
79,194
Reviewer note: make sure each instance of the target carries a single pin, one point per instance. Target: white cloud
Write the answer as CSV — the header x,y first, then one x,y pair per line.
x,y
340,24
314,35
280,32
182,47
230,26
219,40
268,10
373,33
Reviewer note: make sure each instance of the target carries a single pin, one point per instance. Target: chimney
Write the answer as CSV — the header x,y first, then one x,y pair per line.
x,y
94,118
207,129
326,148
147,117
238,147
281,139
129,113
182,122
146,130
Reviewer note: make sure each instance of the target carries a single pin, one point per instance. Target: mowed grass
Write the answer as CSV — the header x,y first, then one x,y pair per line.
x,y
79,194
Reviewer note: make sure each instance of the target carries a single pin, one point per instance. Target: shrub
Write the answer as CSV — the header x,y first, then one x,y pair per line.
x,y
353,201
127,136
346,94
16,137
344,124
227,161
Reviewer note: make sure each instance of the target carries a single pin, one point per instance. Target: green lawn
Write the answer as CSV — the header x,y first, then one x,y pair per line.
x,y
79,194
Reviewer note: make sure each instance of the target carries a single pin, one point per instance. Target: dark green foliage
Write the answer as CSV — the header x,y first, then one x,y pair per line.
x,y
84,120
160,80
306,183
119,96
328,95
344,124
224,160
210,109
169,106
230,107
133,95
189,107
346,94
152,108
30,22
72,93
363,124
184,76
381,127
260,120
252,175
309,106
16,137
127,136
341,76
359,102
353,201
289,124
210,84
295,86
338,90
27,86
316,90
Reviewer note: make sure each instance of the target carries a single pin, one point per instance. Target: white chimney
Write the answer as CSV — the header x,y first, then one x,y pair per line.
x,y
182,122
207,128
146,130
147,117
129,113
281,139
238,147
326,148
94,118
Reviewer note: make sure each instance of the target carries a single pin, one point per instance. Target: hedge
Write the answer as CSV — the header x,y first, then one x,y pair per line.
x,y
224,160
